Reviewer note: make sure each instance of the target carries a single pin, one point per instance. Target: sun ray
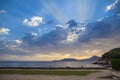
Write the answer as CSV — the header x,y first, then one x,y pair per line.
x,y
55,11
85,9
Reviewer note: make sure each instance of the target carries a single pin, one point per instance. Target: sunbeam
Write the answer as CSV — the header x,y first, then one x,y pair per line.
x,y
86,9
55,11
81,10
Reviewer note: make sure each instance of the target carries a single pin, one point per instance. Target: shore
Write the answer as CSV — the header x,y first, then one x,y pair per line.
x,y
103,74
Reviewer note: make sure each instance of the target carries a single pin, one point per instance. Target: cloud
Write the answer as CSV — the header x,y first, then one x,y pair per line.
x,y
109,7
56,38
106,28
34,21
30,38
80,39
115,7
72,36
18,41
7,48
4,31
99,37
34,34
61,26
3,11
72,23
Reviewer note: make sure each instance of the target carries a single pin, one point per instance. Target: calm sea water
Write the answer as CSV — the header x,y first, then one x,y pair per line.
x,y
47,64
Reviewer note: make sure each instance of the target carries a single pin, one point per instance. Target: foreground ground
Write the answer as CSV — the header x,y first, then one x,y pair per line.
x,y
101,75
65,72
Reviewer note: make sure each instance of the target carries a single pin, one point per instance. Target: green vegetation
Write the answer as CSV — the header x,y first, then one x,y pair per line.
x,y
47,72
112,54
115,64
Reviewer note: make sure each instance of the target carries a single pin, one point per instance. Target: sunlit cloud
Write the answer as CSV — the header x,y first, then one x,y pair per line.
x,y
18,41
93,52
34,21
102,18
72,37
34,34
62,26
4,31
111,6
35,57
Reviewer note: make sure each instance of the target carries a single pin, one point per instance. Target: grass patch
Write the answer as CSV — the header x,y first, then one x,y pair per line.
x,y
47,72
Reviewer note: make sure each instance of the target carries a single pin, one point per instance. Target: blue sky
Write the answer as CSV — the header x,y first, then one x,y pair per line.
x,y
49,29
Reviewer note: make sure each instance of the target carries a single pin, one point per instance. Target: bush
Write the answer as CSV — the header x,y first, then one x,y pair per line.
x,y
115,64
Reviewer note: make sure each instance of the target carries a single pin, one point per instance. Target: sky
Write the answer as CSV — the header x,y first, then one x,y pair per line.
x,y
45,30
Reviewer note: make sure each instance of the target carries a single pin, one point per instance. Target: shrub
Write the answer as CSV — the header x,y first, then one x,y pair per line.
x,y
115,64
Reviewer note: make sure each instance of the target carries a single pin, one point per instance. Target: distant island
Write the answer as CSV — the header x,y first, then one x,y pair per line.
x,y
93,58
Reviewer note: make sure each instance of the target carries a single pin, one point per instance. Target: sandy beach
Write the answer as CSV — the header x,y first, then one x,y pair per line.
x,y
102,75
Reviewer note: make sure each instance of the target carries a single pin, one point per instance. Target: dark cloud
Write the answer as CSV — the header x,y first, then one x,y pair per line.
x,y
8,48
96,30
51,38
29,38
106,28
72,23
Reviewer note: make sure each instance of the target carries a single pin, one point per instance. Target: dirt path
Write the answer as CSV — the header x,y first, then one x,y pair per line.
x,y
93,76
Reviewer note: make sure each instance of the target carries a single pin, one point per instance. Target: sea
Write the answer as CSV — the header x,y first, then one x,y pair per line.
x,y
49,64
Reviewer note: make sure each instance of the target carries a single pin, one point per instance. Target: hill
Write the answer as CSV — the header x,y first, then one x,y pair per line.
x,y
93,58
108,56
112,54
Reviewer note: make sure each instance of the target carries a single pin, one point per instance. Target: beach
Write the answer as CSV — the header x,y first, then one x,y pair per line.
x,y
101,75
